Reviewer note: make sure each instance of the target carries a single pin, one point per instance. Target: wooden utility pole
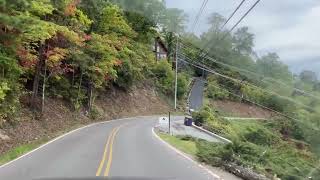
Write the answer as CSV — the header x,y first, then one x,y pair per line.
x,y
176,79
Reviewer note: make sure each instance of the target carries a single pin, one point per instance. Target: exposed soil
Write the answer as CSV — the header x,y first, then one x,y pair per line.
x,y
141,100
58,116
239,109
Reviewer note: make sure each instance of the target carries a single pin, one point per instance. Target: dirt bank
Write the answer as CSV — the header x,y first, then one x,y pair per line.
x,y
58,116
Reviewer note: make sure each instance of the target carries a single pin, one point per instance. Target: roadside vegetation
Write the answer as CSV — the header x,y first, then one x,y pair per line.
x,y
75,50
183,143
275,146
288,143
59,58
21,150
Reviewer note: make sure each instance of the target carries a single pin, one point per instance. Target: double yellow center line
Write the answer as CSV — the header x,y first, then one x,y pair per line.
x,y
108,148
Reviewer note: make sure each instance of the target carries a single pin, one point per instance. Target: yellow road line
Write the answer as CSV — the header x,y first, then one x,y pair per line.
x,y
107,171
105,153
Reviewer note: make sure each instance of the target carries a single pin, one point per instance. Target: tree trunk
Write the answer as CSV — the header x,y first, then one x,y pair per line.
x,y
43,87
90,90
72,78
37,75
79,89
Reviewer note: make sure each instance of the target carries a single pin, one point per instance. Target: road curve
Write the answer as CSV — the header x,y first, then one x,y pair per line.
x,y
121,148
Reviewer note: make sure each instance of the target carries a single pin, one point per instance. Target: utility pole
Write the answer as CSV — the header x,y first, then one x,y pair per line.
x,y
169,123
176,80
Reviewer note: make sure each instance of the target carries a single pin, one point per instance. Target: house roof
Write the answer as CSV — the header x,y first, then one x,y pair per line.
x,y
162,44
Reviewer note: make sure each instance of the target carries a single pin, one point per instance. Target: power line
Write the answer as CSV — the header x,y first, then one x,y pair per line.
x,y
204,3
258,104
253,73
233,13
229,31
254,5
246,83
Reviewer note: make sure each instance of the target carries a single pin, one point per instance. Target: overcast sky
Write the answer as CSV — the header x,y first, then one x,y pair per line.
x,y
290,28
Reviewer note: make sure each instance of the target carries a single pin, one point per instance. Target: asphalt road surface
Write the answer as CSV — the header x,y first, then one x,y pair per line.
x,y
196,96
125,148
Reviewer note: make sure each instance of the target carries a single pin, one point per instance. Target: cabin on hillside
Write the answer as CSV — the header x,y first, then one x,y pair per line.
x,y
160,50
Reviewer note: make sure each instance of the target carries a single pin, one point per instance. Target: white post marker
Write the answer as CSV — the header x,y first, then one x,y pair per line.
x,y
163,121
164,124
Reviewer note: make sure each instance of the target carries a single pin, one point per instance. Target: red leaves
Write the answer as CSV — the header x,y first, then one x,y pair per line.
x,y
27,60
87,37
118,62
71,8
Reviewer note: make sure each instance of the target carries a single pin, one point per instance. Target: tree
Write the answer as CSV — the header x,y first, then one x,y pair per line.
x,y
243,41
270,66
112,21
153,10
308,76
217,41
174,20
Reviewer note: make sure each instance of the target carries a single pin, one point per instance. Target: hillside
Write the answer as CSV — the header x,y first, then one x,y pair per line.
x,y
58,117
239,109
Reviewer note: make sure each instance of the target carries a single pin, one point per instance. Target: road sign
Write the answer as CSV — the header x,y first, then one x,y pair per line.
x,y
163,120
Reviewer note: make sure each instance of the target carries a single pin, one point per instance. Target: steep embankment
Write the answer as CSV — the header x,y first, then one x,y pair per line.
x,y
58,116
239,109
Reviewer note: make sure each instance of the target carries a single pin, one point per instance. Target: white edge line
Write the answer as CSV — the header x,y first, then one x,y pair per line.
x,y
60,137
185,156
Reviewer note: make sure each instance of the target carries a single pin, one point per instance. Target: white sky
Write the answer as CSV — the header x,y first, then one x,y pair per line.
x,y
290,28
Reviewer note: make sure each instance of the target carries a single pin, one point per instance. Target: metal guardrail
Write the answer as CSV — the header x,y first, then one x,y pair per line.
x,y
222,139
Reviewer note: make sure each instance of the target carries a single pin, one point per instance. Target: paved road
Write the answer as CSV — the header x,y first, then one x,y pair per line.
x,y
178,128
196,97
132,151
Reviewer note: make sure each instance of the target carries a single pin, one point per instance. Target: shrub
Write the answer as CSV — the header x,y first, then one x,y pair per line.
x,y
203,115
212,153
214,92
210,120
162,72
261,136
125,75
186,138
182,89
95,112
288,128
245,151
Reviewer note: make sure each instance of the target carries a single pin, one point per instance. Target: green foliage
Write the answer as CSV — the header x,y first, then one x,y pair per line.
x,y
210,120
112,21
102,54
243,41
183,80
288,128
211,153
308,76
182,143
174,20
10,89
3,90
142,25
215,92
41,7
74,49
261,136
162,71
202,116
270,66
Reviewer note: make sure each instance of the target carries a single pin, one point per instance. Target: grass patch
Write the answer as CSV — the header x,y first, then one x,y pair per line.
x,y
21,150
185,146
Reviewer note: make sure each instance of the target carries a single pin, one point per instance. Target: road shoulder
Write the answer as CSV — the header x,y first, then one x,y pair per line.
x,y
181,148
